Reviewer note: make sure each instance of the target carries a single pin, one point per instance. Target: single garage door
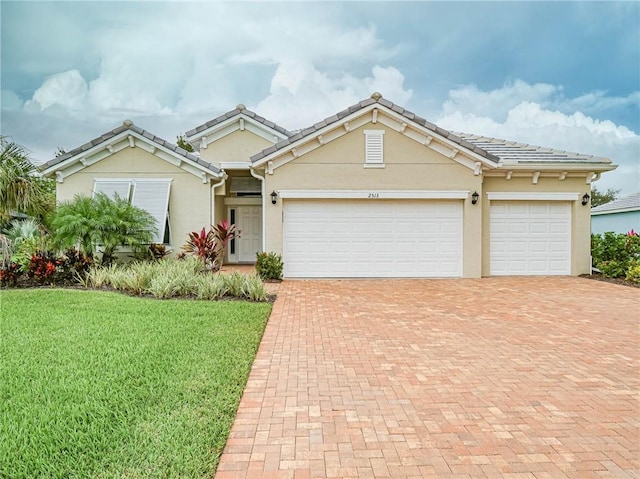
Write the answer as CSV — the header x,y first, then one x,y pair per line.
x,y
372,238
530,238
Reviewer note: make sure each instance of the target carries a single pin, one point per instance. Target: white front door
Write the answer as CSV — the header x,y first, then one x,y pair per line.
x,y
249,228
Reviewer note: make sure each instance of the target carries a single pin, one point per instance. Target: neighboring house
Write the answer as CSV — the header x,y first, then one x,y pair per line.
x,y
619,216
372,191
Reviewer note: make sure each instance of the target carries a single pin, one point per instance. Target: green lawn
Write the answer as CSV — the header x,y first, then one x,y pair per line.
x,y
102,385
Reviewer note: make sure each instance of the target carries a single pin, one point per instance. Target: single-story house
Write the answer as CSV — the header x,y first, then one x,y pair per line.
x,y
372,191
620,216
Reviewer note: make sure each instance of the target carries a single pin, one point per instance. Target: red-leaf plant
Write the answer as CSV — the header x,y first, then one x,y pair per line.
x,y
210,245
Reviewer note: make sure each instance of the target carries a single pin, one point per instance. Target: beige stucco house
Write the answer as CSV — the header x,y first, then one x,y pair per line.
x,y
373,191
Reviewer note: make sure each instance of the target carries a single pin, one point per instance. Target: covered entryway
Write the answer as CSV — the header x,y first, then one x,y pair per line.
x,y
248,221
372,238
530,238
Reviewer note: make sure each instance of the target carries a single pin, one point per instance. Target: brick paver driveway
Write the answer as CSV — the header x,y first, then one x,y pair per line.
x,y
498,377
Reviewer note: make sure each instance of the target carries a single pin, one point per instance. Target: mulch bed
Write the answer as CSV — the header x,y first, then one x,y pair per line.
x,y
620,281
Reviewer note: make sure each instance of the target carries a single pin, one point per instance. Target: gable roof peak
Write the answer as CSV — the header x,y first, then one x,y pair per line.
x,y
117,134
360,108
238,112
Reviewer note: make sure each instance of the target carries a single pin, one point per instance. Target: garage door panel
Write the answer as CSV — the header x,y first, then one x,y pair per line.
x,y
448,228
517,228
530,238
540,248
399,238
539,228
559,228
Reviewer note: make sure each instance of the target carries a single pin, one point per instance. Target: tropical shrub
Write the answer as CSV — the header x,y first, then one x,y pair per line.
x,y
614,254
43,266
157,251
23,229
210,246
633,273
10,273
201,245
24,250
172,279
269,265
74,265
101,222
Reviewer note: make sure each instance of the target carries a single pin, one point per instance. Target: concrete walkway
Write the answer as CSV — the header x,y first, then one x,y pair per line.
x,y
496,378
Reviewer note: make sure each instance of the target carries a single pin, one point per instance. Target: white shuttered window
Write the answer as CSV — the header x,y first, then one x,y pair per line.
x,y
374,147
113,188
153,196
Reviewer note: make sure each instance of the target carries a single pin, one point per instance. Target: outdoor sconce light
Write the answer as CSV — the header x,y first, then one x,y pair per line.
x,y
585,199
274,197
474,197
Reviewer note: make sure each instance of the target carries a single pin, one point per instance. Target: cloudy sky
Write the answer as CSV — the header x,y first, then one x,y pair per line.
x,y
564,75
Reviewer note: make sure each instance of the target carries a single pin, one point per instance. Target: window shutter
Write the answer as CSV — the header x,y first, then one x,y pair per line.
x,y
153,196
374,147
111,188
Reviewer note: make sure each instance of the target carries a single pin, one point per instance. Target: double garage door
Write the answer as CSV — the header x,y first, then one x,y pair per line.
x,y
420,238
372,238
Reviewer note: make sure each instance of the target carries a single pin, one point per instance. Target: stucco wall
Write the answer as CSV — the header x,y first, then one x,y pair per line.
x,y
189,201
580,215
622,222
339,165
237,146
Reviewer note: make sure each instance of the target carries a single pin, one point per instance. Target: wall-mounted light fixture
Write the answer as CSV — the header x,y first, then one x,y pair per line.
x,y
274,197
585,199
474,197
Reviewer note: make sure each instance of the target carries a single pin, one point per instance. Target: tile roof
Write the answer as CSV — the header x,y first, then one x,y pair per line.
x,y
239,110
629,202
128,125
375,98
511,152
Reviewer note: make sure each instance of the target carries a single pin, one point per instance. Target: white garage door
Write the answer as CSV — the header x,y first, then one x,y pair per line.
x,y
530,238
372,238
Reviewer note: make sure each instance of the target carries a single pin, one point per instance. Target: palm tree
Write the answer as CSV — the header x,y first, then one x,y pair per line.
x,y
75,224
101,221
21,189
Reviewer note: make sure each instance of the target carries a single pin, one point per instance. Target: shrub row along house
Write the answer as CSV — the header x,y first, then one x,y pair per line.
x,y
372,191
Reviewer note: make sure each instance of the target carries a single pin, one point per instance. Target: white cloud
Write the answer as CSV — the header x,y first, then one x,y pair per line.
x,y
170,73
184,67
531,122
67,90
497,103
301,95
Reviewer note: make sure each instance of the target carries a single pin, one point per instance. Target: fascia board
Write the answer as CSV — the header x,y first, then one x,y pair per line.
x,y
558,166
631,209
118,138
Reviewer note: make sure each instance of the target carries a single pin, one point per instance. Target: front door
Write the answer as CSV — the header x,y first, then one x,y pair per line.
x,y
249,226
